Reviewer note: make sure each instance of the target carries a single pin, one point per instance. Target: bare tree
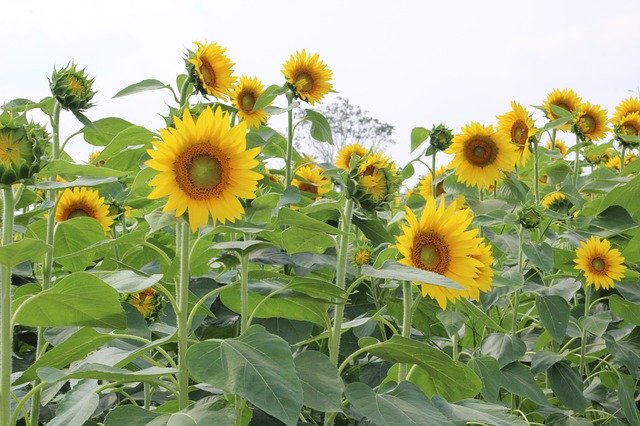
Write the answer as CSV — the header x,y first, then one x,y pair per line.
x,y
349,124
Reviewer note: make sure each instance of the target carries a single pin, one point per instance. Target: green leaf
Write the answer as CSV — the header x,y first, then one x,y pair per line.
x,y
105,129
554,314
126,139
293,218
243,246
451,379
418,135
268,96
517,379
71,237
397,271
21,251
541,361
300,240
83,119
626,389
132,415
506,348
126,281
79,299
257,366
623,196
451,320
403,405
103,372
567,384
555,124
478,412
374,229
625,309
540,254
322,386
478,315
320,128
81,181
319,289
77,405
142,86
488,369
62,167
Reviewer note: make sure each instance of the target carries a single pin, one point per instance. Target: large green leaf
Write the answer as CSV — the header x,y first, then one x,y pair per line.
x,y
567,384
624,196
79,299
503,347
418,135
103,372
625,309
554,315
132,415
293,218
142,86
77,405
517,379
20,251
626,390
320,128
104,130
478,412
488,369
63,167
374,229
257,366
300,240
208,413
322,386
396,271
126,281
71,237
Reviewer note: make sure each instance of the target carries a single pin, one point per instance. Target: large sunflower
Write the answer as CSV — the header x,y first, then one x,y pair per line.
x,y
481,155
625,107
440,242
204,168
244,98
517,125
311,179
308,75
601,264
565,98
346,152
212,71
591,122
79,202
425,186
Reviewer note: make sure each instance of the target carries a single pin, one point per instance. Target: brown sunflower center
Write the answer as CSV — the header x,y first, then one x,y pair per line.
x,y
308,187
78,212
201,171
563,105
481,151
439,188
598,264
629,130
587,123
208,74
247,101
519,133
430,252
304,82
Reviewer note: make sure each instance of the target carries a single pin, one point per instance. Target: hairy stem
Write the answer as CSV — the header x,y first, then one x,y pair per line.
x,y
6,330
407,302
182,243
244,293
287,166
583,337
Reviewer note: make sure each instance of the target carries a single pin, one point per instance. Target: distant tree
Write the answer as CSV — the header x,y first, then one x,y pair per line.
x,y
349,124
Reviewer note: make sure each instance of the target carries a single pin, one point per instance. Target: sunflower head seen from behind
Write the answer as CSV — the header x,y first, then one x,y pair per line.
x,y
629,125
244,97
83,202
211,71
517,125
307,76
204,168
602,266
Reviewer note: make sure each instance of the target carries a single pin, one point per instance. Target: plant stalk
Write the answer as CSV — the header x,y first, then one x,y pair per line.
x,y
433,174
182,243
6,331
287,162
583,337
536,172
244,293
622,155
576,164
407,303
516,295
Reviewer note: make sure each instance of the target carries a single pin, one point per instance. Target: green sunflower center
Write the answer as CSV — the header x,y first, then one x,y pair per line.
x,y
304,82
598,264
431,253
205,171
79,212
247,101
519,133
208,74
201,171
587,123
481,151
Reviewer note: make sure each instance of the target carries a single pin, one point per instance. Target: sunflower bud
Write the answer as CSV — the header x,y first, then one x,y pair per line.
x,y
362,254
530,216
373,182
72,88
441,137
21,149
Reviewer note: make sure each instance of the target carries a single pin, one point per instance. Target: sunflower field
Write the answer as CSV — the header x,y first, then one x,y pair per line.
x,y
210,273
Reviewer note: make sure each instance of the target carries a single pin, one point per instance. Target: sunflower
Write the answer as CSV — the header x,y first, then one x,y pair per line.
x,y
481,155
244,97
374,175
566,99
601,264
559,145
625,107
517,126
614,161
211,71
591,122
440,242
485,273
204,168
147,302
346,152
629,125
426,184
308,76
312,180
79,202
555,200
362,254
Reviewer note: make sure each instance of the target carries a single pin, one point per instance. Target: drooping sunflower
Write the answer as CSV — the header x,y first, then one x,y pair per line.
x,y
204,168
211,71
83,202
310,178
308,76
147,302
629,125
346,152
481,155
613,162
426,184
374,175
591,122
601,264
556,201
440,242
517,125
560,146
244,98
625,107
565,98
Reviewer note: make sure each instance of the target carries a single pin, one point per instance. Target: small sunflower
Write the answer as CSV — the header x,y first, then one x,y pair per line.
x,y
373,179
79,202
204,168
310,178
517,125
308,76
560,146
614,161
601,264
591,122
481,155
210,70
625,107
555,201
346,152
244,98
362,254
566,99
629,125
440,242
148,302
426,184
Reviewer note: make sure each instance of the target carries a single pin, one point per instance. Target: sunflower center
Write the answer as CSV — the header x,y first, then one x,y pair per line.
x,y
587,123
628,130
481,151
79,212
598,264
205,171
208,74
75,85
519,132
247,101
308,187
304,82
201,171
431,253
439,189
563,105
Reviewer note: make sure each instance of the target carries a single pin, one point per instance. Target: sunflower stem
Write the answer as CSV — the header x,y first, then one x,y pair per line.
x,y
536,184
244,293
182,243
622,155
407,302
583,337
553,139
6,330
287,162
184,95
576,163
433,174
516,295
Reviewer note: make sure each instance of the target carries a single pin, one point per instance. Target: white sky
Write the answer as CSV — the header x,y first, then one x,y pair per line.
x,y
410,63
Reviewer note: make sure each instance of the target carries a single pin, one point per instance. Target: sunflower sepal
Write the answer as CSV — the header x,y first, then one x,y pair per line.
x,y
530,216
440,138
72,88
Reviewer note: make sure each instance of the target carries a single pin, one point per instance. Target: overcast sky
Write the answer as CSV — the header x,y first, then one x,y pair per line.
x,y
410,63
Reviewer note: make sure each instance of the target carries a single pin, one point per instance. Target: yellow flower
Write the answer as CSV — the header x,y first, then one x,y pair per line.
x,y
244,98
629,125
425,185
362,255
565,98
211,72
553,200
440,242
146,302
614,161
560,146
346,152
372,177
517,126
308,75
591,122
79,202
601,264
481,155
625,107
204,168
312,180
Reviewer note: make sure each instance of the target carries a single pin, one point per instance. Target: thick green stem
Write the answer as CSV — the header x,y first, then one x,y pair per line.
x,y
553,138
622,155
536,172
182,243
184,95
6,330
407,302
516,295
583,337
434,187
244,293
287,162
576,163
